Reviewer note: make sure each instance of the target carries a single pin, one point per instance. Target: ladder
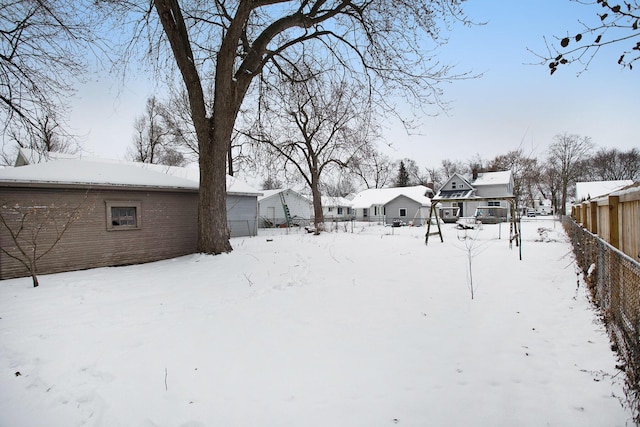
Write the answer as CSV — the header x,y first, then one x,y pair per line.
x,y
433,214
285,208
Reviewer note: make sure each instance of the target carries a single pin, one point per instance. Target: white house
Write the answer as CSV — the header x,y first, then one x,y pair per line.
x,y
487,197
336,208
283,207
407,204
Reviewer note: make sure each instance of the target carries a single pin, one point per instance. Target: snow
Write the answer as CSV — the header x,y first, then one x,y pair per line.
x,y
366,326
492,178
84,172
63,169
591,190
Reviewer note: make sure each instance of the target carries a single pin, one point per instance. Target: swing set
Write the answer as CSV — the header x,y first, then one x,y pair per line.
x,y
514,220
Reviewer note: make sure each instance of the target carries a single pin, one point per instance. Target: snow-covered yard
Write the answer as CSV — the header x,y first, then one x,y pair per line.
x,y
368,327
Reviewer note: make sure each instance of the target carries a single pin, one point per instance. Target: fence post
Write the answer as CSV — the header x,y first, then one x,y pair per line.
x,y
614,222
593,220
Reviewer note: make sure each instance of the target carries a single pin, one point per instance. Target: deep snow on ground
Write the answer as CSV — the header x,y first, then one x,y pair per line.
x,y
363,326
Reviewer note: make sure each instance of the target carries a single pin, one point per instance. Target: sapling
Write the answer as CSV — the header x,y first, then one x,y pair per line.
x,y
34,230
469,238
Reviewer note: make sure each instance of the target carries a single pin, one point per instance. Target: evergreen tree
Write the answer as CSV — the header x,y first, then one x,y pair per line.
x,y
403,176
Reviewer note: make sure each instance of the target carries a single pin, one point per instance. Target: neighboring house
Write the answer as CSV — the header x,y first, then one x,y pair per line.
x,y
488,197
593,189
282,207
336,208
408,204
125,214
543,206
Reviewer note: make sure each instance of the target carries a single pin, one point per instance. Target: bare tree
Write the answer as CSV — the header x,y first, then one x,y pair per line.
x,y
472,248
567,157
437,177
35,230
550,184
315,124
613,164
384,43
416,176
342,186
614,23
271,183
525,171
153,141
40,59
45,136
374,168
449,167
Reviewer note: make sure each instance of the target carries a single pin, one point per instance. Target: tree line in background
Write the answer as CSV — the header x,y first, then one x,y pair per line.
x,y
324,143
250,82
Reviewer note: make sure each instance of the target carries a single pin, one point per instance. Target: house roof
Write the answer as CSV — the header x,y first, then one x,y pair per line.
x,y
104,172
586,190
335,201
492,178
382,196
270,193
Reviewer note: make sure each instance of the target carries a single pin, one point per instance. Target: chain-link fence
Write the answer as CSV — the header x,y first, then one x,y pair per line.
x,y
614,281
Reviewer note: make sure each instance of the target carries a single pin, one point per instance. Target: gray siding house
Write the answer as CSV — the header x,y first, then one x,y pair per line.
x,y
408,204
121,214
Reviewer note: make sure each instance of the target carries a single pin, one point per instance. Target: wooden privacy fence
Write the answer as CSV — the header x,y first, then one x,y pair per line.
x,y
615,218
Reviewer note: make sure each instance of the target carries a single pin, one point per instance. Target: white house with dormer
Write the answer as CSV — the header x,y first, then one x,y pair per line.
x,y
488,196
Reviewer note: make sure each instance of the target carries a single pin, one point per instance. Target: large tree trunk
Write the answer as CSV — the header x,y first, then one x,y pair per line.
x,y
214,134
213,230
318,216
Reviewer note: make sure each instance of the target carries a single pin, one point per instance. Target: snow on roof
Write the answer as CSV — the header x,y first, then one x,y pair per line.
x,y
382,196
70,171
586,190
335,201
492,178
94,171
27,156
269,193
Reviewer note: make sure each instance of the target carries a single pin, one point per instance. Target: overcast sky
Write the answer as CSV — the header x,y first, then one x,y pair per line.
x,y
514,102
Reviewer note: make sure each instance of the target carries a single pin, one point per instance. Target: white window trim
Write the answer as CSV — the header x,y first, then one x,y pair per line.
x,y
400,212
137,204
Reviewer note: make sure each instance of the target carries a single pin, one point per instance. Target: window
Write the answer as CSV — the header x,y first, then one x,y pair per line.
x,y
339,211
123,215
330,209
403,212
494,203
453,185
